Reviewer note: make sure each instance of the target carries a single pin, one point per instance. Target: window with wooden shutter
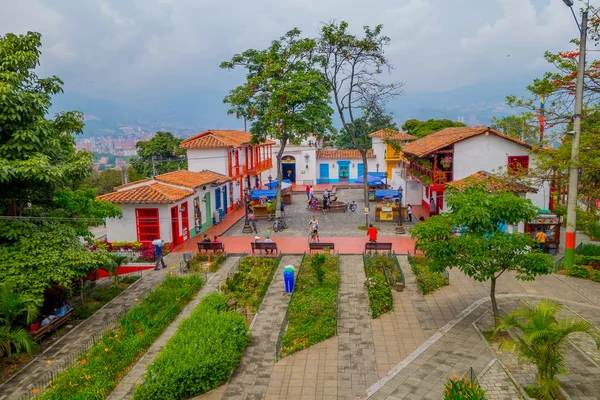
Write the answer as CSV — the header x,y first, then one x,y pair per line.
x,y
518,164
147,224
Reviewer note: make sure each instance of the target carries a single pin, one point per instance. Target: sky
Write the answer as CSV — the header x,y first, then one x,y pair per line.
x,y
134,49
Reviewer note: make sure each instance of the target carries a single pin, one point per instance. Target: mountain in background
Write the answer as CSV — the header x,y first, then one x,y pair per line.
x,y
185,113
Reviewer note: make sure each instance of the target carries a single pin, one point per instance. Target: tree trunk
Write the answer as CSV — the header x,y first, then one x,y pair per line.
x,y
363,154
282,144
494,303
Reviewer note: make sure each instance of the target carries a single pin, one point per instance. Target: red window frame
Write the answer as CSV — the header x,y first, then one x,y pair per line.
x,y
147,224
518,164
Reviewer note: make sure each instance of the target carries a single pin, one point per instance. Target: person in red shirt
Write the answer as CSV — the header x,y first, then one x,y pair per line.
x,y
307,192
372,234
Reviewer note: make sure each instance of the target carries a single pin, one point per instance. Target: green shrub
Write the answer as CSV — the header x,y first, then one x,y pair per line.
x,y
198,262
101,368
312,312
428,281
589,249
130,279
462,389
596,276
380,295
317,263
201,355
251,281
580,271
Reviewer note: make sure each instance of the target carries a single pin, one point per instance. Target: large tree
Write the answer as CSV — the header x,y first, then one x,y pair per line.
x,y
285,95
352,66
159,155
522,127
423,128
484,250
37,153
365,126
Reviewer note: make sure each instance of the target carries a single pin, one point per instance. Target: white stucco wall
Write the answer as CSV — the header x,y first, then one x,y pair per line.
x,y
211,159
379,150
303,175
121,229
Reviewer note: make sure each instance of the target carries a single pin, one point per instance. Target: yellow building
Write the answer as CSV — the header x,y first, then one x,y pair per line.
x,y
393,141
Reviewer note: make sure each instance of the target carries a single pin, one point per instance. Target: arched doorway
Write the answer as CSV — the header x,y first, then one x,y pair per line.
x,y
288,168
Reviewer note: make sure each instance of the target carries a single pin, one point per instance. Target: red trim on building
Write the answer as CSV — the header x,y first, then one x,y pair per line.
x,y
147,224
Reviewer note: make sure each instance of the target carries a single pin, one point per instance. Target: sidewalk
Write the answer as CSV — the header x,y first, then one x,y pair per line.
x,y
81,337
126,387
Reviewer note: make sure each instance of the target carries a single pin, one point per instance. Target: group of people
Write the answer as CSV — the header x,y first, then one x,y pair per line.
x,y
59,312
312,201
267,240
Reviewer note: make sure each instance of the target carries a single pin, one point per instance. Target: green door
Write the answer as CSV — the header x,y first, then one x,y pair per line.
x,y
208,213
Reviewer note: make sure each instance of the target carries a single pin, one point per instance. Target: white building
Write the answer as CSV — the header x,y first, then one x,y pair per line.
x,y
174,206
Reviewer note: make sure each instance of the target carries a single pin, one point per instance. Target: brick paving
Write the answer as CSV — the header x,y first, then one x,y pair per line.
x,y
498,385
125,389
71,343
251,378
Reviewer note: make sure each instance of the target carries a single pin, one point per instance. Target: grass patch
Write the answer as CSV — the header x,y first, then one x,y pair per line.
x,y
428,281
382,272
99,297
100,369
200,356
207,262
251,281
312,312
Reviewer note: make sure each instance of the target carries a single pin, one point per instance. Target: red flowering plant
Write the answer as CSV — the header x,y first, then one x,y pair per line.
x,y
141,252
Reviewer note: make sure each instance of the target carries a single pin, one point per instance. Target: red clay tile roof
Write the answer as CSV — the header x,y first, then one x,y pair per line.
x,y
218,139
393,135
341,154
492,183
191,179
448,136
154,193
132,183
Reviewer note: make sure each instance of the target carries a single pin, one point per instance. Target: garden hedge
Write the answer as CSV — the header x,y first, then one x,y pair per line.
x,y
250,282
428,281
382,272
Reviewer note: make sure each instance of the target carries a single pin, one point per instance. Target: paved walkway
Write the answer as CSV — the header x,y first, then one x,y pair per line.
x,y
357,367
66,349
125,389
252,377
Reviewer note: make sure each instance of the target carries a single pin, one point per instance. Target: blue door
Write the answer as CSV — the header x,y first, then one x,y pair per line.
x,y
360,168
225,198
323,173
218,198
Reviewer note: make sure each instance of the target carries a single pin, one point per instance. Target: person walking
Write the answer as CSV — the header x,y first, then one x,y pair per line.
x,y
325,205
312,191
313,204
372,234
409,209
313,229
307,192
541,238
158,254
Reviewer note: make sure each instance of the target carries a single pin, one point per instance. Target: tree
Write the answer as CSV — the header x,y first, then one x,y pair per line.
x,y
104,181
112,264
352,65
365,127
423,128
483,250
37,154
15,310
159,155
520,127
285,96
543,342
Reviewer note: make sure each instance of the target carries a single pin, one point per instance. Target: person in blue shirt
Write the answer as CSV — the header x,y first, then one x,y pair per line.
x,y
158,254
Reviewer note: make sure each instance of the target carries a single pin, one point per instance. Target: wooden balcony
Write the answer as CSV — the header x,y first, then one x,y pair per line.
x,y
428,176
258,167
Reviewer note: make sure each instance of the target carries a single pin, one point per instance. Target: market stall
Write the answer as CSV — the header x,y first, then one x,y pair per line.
x,y
388,205
548,223
376,180
286,189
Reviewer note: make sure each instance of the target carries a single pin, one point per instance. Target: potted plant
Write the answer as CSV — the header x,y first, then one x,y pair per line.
x,y
446,161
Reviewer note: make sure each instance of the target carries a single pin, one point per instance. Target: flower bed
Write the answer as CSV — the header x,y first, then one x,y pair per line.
x,y
428,281
201,355
199,262
101,368
251,281
382,272
136,251
312,312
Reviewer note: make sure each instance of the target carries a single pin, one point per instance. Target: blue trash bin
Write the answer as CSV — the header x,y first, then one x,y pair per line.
x,y
288,279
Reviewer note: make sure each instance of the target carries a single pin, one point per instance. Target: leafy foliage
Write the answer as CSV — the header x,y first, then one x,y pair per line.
x,y
313,308
167,155
522,127
462,389
365,126
103,365
423,128
201,355
543,341
589,249
103,181
251,281
580,271
16,311
428,280
199,261
382,273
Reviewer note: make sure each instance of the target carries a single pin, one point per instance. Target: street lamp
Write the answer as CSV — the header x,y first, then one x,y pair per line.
x,y
377,165
247,193
573,168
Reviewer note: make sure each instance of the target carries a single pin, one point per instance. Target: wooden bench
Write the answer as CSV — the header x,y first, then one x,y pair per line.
x,y
378,246
320,246
214,246
264,246
52,326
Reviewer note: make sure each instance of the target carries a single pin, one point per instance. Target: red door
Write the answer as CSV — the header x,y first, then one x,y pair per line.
x,y
185,224
175,226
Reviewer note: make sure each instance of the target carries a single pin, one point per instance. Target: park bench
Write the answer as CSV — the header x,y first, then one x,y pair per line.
x,y
52,326
264,246
214,246
378,246
320,246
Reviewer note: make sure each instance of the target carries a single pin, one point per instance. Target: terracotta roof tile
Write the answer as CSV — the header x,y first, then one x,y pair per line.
x,y
132,183
341,154
191,179
492,183
448,136
219,138
393,135
154,193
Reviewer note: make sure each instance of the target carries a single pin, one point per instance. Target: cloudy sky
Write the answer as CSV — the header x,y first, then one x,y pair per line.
x,y
115,48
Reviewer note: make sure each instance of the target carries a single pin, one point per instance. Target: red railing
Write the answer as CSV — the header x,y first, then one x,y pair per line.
x,y
420,172
258,166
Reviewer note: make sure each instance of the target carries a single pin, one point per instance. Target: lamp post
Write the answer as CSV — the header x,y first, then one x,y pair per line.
x,y
377,166
247,228
574,168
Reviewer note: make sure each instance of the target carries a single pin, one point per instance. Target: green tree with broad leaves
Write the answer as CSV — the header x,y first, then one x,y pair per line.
x,y
423,128
285,95
104,181
15,310
164,149
364,128
483,250
522,127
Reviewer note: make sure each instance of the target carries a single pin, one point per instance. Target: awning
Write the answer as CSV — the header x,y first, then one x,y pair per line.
x,y
374,178
269,194
380,194
286,183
